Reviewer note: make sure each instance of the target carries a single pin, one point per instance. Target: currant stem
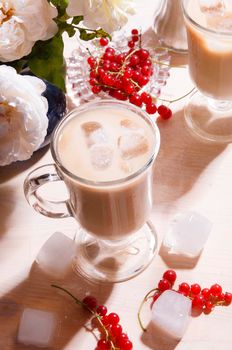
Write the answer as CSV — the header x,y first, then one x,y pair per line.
x,y
178,98
141,306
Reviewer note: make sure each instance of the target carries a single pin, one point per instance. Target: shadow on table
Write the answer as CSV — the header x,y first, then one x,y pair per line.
x,y
156,339
9,171
181,160
36,292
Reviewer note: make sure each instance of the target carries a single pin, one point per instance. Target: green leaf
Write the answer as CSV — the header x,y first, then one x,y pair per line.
x,y
46,61
100,33
77,19
84,35
61,6
66,27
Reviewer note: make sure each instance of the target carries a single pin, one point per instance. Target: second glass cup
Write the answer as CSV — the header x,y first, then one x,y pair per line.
x,y
104,151
209,32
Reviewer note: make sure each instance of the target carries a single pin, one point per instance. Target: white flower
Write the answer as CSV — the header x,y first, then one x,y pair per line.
x,y
108,14
22,23
23,115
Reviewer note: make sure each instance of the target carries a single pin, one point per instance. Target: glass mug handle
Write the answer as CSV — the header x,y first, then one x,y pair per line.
x,y
36,179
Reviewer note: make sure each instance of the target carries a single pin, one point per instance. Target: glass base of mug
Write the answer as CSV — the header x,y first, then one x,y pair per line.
x,y
209,119
114,261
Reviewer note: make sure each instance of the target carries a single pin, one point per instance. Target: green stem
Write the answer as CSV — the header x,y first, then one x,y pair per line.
x,y
141,306
178,98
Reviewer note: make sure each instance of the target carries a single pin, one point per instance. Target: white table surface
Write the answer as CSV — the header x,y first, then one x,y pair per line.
x,y
189,175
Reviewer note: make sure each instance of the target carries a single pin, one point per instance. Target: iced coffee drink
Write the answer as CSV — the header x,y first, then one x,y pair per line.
x,y
104,151
210,58
103,148
209,33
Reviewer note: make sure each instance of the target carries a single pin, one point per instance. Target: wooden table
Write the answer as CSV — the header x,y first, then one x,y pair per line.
x,y
189,175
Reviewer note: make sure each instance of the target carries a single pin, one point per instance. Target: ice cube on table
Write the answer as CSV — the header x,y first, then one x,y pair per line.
x,y
132,144
101,156
36,327
171,313
188,233
55,256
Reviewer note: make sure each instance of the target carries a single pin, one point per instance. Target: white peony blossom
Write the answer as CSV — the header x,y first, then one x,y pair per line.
x,y
108,14
22,23
23,115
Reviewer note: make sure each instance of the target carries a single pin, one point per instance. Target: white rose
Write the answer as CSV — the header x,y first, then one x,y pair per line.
x,y
22,23
110,15
23,115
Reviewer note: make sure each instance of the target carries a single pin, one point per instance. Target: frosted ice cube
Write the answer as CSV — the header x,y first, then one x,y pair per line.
x,y
56,255
129,124
89,127
212,6
97,136
188,233
171,313
132,144
94,133
101,156
36,327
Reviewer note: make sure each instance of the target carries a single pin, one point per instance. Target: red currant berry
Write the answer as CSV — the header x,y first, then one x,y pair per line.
x,y
143,80
206,293
143,54
90,301
215,290
195,289
109,56
103,41
228,298
101,310
121,338
151,108
103,344
119,95
129,88
221,297
164,112
146,98
134,60
120,58
126,345
146,70
131,44
170,275
110,49
113,318
92,74
91,61
198,302
134,31
135,38
136,75
93,81
208,305
148,62
104,320
184,288
164,285
96,89
128,72
136,100
155,297
116,330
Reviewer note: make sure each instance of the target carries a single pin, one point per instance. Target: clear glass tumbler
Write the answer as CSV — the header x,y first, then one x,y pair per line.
x,y
115,241
208,112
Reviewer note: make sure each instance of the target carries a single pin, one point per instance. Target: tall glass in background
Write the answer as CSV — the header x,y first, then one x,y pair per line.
x,y
209,32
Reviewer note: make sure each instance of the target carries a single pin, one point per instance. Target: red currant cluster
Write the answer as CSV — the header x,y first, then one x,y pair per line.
x,y
202,299
123,75
112,335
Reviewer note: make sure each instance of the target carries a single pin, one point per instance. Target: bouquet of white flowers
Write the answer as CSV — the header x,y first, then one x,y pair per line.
x,y
31,36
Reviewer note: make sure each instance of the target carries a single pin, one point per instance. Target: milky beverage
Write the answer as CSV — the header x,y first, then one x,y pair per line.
x,y
210,52
102,148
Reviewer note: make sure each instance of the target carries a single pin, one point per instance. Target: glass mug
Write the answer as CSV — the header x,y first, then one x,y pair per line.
x,y
209,110
115,242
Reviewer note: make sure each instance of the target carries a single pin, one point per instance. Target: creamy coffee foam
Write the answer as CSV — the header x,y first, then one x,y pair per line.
x,y
105,144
